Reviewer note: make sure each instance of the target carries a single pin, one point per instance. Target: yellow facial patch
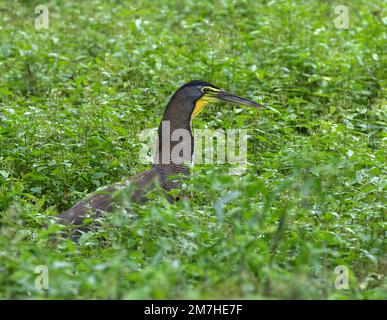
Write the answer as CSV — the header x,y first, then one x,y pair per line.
x,y
199,105
208,96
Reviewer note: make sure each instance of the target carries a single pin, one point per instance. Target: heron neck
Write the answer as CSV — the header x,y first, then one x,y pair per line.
x,y
175,139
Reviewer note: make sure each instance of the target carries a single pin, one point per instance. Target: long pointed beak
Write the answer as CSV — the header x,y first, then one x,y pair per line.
x,y
232,98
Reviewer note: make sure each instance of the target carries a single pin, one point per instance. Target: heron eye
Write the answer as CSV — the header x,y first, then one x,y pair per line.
x,y
207,90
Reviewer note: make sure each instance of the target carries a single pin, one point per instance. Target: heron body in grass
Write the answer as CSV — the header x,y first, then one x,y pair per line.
x,y
185,104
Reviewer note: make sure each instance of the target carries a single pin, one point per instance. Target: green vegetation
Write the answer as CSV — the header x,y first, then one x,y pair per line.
x,y
73,99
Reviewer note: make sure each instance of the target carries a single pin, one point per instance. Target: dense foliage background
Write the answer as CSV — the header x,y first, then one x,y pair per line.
x,y
73,99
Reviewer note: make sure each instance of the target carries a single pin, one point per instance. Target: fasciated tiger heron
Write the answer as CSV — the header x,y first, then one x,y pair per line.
x,y
185,104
